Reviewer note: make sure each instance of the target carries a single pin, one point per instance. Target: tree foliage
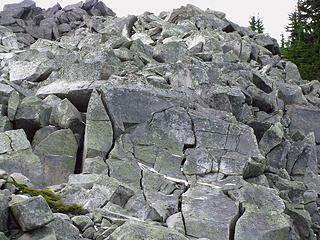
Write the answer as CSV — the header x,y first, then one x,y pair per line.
x,y
303,44
256,24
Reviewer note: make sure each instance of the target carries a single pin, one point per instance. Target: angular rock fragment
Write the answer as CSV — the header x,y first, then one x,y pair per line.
x,y
132,229
58,154
63,229
4,210
28,71
78,92
32,114
305,119
162,115
271,138
208,213
99,131
263,216
65,115
128,105
93,191
13,103
41,233
16,156
32,213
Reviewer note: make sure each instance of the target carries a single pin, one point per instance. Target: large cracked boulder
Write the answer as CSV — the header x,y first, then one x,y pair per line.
x,y
17,156
264,216
208,213
99,131
181,125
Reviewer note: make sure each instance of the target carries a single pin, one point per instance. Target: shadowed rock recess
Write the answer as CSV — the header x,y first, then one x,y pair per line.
x,y
178,126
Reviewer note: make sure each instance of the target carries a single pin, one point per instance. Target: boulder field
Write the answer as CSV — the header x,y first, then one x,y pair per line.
x,y
182,125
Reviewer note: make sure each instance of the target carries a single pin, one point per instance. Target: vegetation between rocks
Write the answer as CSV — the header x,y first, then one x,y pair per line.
x,y
53,200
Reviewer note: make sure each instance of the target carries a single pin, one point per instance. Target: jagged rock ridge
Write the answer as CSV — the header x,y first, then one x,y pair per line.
x,y
178,126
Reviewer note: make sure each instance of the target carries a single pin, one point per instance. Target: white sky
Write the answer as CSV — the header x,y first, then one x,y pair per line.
x,y
274,13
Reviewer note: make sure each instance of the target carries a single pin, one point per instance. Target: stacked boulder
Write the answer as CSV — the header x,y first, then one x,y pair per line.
x,y
30,22
177,126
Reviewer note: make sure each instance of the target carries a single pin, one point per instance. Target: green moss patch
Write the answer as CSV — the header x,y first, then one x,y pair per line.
x,y
54,201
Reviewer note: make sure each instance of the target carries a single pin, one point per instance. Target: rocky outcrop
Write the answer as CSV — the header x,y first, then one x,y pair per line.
x,y
177,126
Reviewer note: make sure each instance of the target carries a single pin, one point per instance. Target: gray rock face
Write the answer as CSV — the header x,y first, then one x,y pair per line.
x,y
300,120
13,103
32,114
129,105
93,191
16,156
32,213
4,210
27,71
181,125
64,230
264,216
65,115
144,231
41,233
57,152
208,213
99,132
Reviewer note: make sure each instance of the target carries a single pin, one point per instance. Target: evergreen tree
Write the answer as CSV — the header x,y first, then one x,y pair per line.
x,y
283,42
253,23
256,24
303,46
260,26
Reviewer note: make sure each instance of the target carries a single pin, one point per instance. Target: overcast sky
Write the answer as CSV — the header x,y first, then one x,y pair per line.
x,y
274,13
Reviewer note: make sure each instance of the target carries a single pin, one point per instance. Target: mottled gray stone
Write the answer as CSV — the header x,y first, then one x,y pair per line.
x,y
64,229
292,72
271,138
170,52
28,71
264,216
208,212
305,119
98,138
65,115
44,233
13,103
17,156
32,114
95,165
58,152
4,210
32,213
140,230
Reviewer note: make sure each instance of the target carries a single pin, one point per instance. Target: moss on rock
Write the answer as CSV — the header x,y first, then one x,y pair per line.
x,y
54,201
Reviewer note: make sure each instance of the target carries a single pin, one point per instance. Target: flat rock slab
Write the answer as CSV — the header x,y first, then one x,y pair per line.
x,y
305,119
77,92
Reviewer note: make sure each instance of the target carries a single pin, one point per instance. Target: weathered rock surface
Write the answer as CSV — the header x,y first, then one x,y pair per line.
x,y
32,213
177,126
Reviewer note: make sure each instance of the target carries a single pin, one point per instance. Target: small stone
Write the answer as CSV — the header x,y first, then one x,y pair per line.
x,y
89,232
81,222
